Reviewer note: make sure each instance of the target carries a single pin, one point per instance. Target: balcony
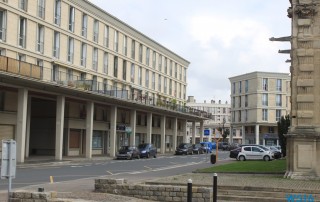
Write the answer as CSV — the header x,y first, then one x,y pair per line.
x,y
33,71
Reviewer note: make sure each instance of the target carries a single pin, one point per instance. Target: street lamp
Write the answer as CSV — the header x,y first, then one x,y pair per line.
x,y
223,122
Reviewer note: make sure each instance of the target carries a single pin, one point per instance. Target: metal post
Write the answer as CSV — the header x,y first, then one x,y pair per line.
x,y
189,197
215,187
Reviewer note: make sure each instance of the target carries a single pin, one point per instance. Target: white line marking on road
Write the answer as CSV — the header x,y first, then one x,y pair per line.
x,y
76,166
148,167
110,172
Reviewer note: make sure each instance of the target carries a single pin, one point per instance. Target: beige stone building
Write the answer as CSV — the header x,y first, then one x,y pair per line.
x,y
258,100
76,81
303,140
220,118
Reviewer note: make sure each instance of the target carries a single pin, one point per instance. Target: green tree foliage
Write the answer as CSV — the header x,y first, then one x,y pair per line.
x,y
225,134
283,127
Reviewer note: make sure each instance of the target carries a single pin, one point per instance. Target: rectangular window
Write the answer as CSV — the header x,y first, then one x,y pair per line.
x,y
278,115
3,25
96,31
105,62
180,91
70,49
165,66
71,18
55,73
147,78
239,116
185,75
116,40
84,25
95,59
124,70
264,114
240,86
240,102
170,63
246,86
246,100
246,115
56,44
83,59
97,141
40,38
180,73
265,84
70,75
140,53
160,63
153,80
165,85
233,102
41,9
154,59
234,88
115,67
22,32
106,36
271,129
278,100
139,75
132,73
175,71
133,49
159,83
265,99
147,56
57,12
279,85
23,4
170,87
124,51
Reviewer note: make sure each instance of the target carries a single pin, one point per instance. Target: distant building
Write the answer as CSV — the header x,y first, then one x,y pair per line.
x,y
220,117
258,100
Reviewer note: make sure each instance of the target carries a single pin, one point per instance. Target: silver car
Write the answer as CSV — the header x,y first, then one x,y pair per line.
x,y
255,153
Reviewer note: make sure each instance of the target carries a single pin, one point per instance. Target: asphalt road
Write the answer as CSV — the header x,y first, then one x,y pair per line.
x,y
139,169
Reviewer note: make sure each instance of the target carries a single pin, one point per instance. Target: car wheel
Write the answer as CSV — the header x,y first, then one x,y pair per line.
x,y
266,158
242,158
155,155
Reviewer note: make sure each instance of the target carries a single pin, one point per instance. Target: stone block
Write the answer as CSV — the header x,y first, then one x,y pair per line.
x,y
206,195
176,189
306,67
161,188
304,22
150,193
305,82
142,193
145,188
165,193
157,193
305,114
168,198
161,198
180,194
305,157
153,188
176,199
172,193
305,98
305,1
203,190
197,195
169,188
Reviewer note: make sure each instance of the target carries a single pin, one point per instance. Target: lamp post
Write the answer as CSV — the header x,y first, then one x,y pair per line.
x,y
223,122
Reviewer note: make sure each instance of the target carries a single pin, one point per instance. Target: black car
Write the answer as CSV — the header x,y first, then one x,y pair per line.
x,y
234,153
147,150
184,148
128,152
197,149
223,145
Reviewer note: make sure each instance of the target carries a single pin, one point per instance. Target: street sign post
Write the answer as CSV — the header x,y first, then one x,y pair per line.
x,y
8,161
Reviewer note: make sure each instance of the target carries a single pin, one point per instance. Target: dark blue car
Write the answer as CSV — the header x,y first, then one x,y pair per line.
x,y
147,150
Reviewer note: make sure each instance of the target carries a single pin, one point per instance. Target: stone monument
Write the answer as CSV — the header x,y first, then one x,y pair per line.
x,y
303,138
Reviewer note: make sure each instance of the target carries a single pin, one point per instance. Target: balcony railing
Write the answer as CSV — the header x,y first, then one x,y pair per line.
x,y
72,81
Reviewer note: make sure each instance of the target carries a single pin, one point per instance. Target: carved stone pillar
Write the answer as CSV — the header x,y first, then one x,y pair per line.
x,y
303,139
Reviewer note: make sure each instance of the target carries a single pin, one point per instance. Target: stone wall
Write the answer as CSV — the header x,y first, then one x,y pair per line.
x,y
152,192
27,196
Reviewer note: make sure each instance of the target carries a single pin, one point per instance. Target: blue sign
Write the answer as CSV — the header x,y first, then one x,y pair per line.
x,y
206,132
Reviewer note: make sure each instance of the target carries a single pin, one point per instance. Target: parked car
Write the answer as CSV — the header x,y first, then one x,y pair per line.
x,y
277,153
208,146
128,152
255,152
232,146
223,145
147,150
234,153
184,148
197,149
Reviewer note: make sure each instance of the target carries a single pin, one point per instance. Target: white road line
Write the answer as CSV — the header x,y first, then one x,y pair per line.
x,y
109,172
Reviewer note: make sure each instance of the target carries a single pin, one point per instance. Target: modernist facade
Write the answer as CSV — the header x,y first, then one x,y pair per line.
x,y
220,118
258,100
76,81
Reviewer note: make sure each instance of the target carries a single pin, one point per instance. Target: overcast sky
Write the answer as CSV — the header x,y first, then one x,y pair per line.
x,y
220,39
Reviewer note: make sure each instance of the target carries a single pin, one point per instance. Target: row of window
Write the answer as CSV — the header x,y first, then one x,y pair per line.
x,y
264,100
84,29
244,117
264,85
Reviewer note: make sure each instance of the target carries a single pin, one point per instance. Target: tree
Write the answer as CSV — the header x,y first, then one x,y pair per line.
x,y
283,127
225,134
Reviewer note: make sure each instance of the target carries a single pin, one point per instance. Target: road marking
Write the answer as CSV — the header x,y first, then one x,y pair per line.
x,y
76,166
174,163
110,172
135,173
149,168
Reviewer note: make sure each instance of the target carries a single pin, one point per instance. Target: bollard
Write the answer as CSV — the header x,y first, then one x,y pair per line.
x,y
189,197
215,187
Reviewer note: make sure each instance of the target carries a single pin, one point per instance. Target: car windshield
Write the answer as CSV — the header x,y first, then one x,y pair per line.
x,y
182,146
265,148
142,146
204,144
124,148
196,145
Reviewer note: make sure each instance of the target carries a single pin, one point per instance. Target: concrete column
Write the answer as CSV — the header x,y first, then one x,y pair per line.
x,y
243,135
133,121
175,133
163,135
257,134
89,129
28,127
59,127
149,127
113,130
21,124
193,132
201,131
231,135
185,136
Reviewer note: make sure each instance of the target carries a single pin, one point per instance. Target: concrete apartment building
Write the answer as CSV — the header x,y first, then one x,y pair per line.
x,y
258,100
76,81
220,117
